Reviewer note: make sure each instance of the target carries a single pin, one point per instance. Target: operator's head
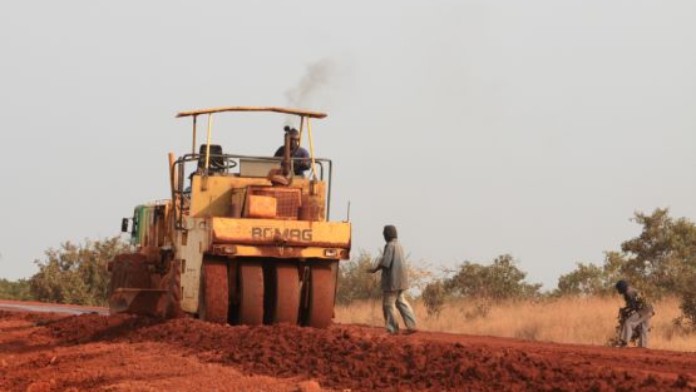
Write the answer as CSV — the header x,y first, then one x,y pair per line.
x,y
294,136
389,232
621,286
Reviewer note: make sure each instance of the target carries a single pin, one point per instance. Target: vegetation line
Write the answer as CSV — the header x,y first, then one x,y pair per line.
x,y
484,298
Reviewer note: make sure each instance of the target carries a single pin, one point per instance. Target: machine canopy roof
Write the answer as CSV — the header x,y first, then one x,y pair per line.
x,y
297,112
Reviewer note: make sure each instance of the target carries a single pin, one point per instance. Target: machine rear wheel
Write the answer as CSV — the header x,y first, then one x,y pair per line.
x,y
250,293
287,294
322,294
213,298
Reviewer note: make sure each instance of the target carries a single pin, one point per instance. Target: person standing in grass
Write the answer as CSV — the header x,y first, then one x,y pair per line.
x,y
638,313
394,283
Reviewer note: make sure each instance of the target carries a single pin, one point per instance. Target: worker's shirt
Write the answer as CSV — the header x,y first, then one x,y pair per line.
x,y
301,161
636,302
394,271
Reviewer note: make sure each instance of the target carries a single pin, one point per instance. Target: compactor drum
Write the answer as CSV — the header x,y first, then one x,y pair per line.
x,y
243,239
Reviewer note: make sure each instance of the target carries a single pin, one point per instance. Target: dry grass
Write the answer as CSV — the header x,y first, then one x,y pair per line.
x,y
566,320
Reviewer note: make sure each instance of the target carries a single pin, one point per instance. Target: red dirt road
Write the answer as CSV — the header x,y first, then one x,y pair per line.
x,y
49,352
40,307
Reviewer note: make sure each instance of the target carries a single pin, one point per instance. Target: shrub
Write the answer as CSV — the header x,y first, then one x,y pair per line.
x,y
433,297
355,282
688,305
17,290
500,280
481,309
76,274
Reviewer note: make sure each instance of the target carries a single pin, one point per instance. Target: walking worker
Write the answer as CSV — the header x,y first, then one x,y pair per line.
x,y
394,283
638,313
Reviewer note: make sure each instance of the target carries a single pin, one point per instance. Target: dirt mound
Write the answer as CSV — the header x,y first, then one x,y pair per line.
x,y
91,327
32,359
366,359
38,318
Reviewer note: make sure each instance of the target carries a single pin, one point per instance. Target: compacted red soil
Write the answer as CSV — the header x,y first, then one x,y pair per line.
x,y
50,352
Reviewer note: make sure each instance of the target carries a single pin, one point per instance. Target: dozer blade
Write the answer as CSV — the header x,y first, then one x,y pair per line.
x,y
138,301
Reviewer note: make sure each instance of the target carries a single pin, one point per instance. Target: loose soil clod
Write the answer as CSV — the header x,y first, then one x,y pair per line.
x,y
338,358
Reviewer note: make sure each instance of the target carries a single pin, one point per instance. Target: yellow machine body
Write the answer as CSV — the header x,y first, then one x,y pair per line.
x,y
250,246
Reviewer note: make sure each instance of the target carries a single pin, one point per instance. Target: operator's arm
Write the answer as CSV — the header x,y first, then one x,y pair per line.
x,y
302,161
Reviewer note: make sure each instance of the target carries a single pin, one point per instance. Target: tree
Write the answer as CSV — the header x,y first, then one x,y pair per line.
x,y
500,280
663,253
688,301
661,260
76,274
586,279
658,261
590,279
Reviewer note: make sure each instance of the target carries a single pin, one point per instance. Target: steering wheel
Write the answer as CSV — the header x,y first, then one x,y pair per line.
x,y
230,164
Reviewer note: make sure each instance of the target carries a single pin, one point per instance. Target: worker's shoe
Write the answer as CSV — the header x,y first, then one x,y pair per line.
x,y
621,343
410,331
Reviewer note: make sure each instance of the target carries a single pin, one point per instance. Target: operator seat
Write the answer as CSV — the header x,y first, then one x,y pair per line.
x,y
216,163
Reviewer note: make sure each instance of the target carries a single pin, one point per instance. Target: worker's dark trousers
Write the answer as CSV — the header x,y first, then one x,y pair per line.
x,y
396,299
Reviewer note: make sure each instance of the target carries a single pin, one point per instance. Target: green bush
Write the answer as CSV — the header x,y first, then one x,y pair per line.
x,y
17,290
76,274
499,280
590,279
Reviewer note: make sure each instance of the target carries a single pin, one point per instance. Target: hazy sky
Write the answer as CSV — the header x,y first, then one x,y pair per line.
x,y
478,128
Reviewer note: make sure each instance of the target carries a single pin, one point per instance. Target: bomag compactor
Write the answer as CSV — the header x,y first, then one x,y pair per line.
x,y
243,240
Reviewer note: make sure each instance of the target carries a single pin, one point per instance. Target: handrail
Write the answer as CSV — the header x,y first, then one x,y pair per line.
x,y
178,171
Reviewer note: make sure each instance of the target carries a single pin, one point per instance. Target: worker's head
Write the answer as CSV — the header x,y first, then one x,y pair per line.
x,y
389,232
621,286
294,135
